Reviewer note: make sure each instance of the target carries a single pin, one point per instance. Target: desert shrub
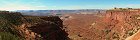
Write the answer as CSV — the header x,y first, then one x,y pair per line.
x,y
8,36
130,32
33,20
116,36
8,22
107,31
12,18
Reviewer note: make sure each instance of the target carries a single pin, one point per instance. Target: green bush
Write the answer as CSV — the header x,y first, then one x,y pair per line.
x,y
8,36
11,18
8,21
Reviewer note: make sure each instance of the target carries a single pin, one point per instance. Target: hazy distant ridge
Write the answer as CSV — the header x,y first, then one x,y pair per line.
x,y
49,12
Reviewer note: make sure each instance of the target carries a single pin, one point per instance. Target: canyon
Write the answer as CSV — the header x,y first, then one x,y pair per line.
x,y
113,24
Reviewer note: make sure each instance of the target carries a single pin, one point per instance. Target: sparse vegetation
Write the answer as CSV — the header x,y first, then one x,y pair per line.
x,y
8,36
14,26
116,36
8,22
107,31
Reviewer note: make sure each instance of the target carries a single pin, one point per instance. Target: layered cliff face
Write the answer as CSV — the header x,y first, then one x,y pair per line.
x,y
112,25
121,24
30,27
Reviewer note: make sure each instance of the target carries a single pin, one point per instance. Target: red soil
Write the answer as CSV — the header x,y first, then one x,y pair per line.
x,y
109,26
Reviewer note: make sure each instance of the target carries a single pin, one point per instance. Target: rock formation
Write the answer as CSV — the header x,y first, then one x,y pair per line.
x,y
116,24
31,27
122,22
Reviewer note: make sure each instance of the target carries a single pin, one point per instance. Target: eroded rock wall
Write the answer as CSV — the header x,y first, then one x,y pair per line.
x,y
31,27
121,23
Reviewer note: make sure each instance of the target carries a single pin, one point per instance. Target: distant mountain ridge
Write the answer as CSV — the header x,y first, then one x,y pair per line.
x,y
50,12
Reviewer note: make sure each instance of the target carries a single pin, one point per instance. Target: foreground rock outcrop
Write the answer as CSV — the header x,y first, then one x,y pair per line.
x,y
31,27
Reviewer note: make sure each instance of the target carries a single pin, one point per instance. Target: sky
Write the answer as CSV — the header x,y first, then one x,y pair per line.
x,y
66,4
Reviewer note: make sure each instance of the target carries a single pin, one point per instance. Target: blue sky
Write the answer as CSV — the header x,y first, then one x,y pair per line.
x,y
66,4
